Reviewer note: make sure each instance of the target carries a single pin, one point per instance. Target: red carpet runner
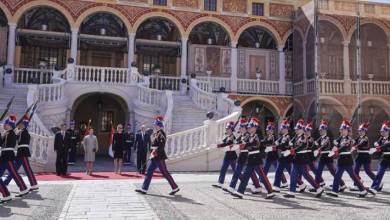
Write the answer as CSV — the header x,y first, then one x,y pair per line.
x,y
94,176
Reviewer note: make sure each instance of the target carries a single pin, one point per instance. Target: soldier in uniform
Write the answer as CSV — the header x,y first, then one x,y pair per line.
x,y
310,154
129,144
23,153
282,144
271,151
230,154
157,158
343,146
323,147
75,139
254,162
3,188
7,158
299,149
363,153
242,159
382,146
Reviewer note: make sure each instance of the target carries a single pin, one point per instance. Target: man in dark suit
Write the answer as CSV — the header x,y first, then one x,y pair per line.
x,y
142,144
61,147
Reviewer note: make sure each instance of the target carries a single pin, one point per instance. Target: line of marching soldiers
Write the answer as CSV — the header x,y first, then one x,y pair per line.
x,y
298,155
15,153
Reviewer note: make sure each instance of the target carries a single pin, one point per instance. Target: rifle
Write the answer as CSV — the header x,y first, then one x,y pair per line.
x,y
7,109
25,113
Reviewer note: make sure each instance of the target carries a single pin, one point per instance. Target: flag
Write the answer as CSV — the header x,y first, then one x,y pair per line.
x,y
110,152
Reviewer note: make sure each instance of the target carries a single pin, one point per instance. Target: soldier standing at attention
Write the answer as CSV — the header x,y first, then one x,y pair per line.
x,y
343,146
157,158
74,141
363,150
230,154
129,144
323,147
23,153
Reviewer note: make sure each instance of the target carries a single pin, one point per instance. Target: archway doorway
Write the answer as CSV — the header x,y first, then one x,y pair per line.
x,y
263,111
3,38
103,109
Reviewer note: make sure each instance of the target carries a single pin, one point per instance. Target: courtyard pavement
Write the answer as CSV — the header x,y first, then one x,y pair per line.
x,y
116,199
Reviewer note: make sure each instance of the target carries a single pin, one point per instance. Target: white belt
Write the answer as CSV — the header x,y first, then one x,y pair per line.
x,y
22,145
73,138
283,152
243,151
345,153
254,152
128,141
7,149
325,152
304,151
386,153
154,148
363,151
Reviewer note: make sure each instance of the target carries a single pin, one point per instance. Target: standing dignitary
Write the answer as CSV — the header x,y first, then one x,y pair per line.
x,y
129,144
91,146
7,158
157,158
74,141
142,145
118,147
61,147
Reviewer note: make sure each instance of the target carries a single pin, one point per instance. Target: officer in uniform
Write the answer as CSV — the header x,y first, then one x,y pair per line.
x,y
282,144
157,158
343,146
254,162
299,149
363,154
323,147
129,144
271,151
74,141
230,154
23,153
310,154
243,138
7,158
382,146
3,188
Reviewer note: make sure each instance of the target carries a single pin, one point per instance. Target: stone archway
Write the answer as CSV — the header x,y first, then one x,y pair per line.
x,y
262,110
101,109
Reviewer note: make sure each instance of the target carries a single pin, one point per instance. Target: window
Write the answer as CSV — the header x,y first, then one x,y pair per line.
x,y
160,2
210,5
258,9
107,119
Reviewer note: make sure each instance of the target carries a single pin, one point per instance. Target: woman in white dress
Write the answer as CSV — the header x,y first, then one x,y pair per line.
x,y
90,144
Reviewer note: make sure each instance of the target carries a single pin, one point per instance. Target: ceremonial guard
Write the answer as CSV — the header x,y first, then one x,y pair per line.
x,y
299,150
343,146
7,158
75,139
271,151
382,146
323,147
157,158
310,152
363,153
285,161
23,153
230,154
129,144
243,138
254,162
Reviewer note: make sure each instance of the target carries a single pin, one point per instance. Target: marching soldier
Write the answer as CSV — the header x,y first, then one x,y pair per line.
x,y
323,147
157,158
310,154
299,149
3,187
230,154
75,139
271,151
343,146
9,141
129,143
382,146
242,159
282,144
363,150
23,153
254,162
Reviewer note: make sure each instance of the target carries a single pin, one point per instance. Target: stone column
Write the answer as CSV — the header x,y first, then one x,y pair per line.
x,y
347,76
388,58
233,63
282,71
304,67
183,65
130,51
74,44
11,44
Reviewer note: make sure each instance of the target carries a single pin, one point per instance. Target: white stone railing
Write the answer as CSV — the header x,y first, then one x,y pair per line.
x,y
32,76
372,87
298,88
256,86
168,111
332,87
202,99
289,88
197,139
150,96
217,82
93,74
165,82
47,93
311,86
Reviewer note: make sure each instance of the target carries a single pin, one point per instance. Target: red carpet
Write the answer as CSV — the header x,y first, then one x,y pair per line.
x,y
94,176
